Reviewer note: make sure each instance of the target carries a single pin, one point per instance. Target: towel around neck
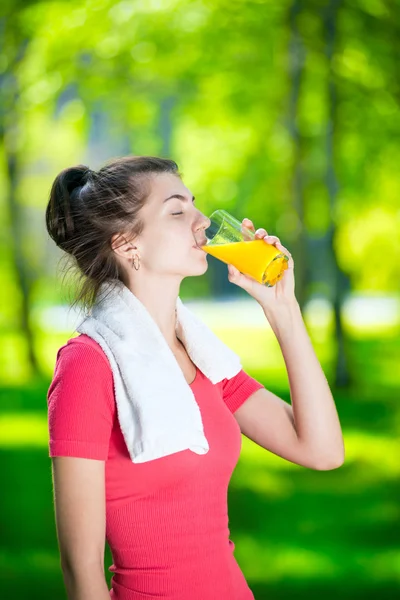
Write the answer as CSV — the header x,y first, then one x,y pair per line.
x,y
157,411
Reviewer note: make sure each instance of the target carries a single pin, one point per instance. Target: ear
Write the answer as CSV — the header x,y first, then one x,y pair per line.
x,y
121,246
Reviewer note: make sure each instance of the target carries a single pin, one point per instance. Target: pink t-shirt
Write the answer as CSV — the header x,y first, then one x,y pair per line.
x,y
166,519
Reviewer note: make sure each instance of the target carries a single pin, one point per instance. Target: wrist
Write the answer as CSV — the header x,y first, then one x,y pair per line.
x,y
283,316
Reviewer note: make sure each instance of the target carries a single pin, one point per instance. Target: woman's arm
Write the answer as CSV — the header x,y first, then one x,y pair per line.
x,y
79,500
88,584
314,412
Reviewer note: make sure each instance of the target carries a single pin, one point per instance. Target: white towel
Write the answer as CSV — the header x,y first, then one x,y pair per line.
x,y
157,411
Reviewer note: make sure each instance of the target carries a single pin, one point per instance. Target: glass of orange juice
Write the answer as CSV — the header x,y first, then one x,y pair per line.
x,y
234,244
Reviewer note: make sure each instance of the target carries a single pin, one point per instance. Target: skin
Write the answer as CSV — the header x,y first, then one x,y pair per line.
x,y
165,249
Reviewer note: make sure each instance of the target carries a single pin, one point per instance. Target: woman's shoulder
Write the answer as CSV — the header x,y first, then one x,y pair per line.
x,y
83,345
81,401
83,369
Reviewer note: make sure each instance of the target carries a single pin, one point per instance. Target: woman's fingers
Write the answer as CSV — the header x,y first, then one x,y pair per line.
x,y
259,234
269,239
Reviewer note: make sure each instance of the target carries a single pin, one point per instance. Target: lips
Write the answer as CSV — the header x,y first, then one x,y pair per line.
x,y
202,243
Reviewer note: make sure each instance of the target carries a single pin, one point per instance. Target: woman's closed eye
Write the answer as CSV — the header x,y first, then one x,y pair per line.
x,y
178,213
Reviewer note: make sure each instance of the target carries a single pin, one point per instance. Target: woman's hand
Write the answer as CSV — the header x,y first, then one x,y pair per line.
x,y
269,298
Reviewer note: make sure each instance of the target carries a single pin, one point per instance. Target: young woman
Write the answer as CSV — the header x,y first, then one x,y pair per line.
x,y
165,520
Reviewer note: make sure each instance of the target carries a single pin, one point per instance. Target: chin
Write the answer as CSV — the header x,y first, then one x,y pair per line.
x,y
199,269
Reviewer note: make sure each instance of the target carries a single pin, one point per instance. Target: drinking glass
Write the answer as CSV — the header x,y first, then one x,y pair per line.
x,y
232,243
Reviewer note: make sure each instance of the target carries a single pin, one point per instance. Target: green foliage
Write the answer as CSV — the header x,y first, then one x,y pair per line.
x,y
246,96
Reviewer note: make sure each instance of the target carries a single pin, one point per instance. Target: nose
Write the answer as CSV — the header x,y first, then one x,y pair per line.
x,y
205,224
199,237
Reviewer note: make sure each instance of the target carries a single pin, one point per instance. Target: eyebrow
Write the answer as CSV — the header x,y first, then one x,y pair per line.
x,y
179,196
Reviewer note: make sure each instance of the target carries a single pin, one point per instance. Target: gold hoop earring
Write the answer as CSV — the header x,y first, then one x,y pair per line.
x,y
134,263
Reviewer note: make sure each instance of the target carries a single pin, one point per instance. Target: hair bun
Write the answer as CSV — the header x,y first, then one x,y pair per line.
x,y
62,208
76,177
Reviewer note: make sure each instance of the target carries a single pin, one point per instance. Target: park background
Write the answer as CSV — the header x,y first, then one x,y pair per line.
x,y
284,112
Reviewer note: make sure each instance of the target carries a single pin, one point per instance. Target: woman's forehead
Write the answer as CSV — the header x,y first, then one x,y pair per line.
x,y
165,185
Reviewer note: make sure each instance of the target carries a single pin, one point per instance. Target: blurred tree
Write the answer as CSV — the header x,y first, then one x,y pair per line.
x,y
14,43
296,67
208,84
339,280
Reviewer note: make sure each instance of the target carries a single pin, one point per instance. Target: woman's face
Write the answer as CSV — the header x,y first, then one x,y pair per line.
x,y
172,227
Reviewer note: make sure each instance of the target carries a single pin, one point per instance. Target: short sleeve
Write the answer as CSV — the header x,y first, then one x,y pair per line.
x,y
81,404
238,388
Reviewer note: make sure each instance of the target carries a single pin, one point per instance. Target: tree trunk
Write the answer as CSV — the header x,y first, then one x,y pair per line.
x,y
9,94
17,236
296,67
340,282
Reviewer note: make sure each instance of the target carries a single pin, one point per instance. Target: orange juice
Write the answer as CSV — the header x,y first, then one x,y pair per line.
x,y
262,261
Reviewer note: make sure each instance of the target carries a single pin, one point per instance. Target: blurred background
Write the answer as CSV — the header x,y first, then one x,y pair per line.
x,y
287,113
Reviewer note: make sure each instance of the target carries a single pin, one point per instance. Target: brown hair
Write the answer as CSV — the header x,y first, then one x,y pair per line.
x,y
86,208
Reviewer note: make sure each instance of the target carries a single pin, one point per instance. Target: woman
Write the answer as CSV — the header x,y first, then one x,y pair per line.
x,y
165,520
